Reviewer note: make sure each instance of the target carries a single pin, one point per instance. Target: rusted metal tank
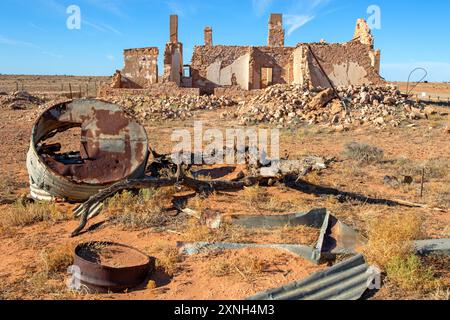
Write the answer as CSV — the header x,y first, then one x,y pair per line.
x,y
113,147
100,278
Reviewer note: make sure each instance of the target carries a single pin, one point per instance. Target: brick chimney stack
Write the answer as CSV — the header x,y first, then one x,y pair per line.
x,y
208,37
173,29
276,31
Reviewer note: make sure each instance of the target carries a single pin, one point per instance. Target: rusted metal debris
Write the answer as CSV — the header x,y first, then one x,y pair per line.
x,y
191,248
335,237
432,246
113,147
347,280
97,277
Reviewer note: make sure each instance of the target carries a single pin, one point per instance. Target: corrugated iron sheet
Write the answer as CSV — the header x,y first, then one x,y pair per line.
x,y
113,147
347,280
433,246
191,248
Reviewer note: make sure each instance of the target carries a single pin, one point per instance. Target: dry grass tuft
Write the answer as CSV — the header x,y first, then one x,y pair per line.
x,y
255,195
168,258
199,232
434,168
259,199
141,211
200,204
390,246
411,275
57,260
298,235
363,153
249,267
392,236
24,214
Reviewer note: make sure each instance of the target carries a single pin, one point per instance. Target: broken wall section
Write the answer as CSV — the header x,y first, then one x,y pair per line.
x,y
345,64
216,66
173,55
141,68
173,63
363,33
270,65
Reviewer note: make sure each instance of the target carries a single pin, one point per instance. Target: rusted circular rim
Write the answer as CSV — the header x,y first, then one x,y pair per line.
x,y
107,243
61,103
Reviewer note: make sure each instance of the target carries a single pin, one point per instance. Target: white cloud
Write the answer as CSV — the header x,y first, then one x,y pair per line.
x,y
101,27
110,57
176,8
32,25
112,29
23,44
298,13
293,22
261,6
114,7
16,43
53,55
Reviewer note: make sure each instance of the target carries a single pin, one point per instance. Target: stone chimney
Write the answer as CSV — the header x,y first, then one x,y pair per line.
x,y
208,37
173,29
276,31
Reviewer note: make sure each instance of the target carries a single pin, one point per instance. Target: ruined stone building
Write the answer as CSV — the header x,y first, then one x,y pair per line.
x,y
254,67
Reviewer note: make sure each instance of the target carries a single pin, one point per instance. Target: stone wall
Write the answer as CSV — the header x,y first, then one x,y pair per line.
x,y
279,59
173,63
141,66
345,64
208,62
158,90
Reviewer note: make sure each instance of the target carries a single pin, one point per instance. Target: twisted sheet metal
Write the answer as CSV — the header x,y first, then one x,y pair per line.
x,y
347,280
191,248
335,237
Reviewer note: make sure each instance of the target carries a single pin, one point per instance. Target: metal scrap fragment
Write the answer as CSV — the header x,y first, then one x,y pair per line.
x,y
113,147
335,237
347,280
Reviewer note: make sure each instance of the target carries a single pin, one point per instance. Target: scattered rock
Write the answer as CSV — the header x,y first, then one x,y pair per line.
x,y
151,108
20,100
322,99
289,105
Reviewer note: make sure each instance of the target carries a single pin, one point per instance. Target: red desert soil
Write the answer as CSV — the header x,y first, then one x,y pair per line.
x,y
200,276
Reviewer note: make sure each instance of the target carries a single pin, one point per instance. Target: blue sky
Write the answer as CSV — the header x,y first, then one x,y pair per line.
x,y
34,38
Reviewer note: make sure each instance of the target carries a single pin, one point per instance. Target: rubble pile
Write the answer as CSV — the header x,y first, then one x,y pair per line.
x,y
289,105
19,100
166,108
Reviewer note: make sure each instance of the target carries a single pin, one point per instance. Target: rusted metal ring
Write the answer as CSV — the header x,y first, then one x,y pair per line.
x,y
113,147
100,278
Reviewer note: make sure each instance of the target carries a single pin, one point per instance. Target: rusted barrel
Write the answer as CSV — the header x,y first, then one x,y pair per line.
x,y
111,267
113,146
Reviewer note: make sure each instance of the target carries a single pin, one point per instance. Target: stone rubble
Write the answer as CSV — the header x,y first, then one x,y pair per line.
x,y
149,108
288,105
280,105
19,100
